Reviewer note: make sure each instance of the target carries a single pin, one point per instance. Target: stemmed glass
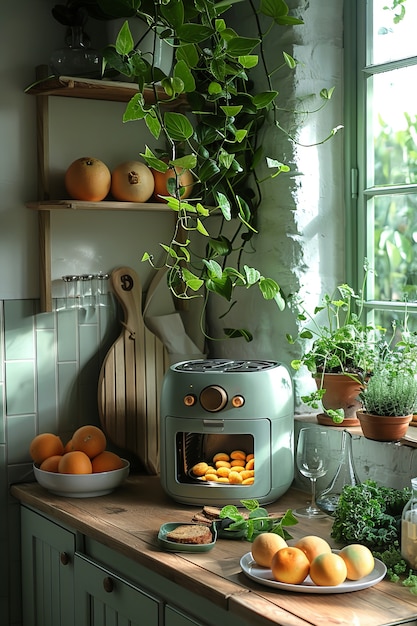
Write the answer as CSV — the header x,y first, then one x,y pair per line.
x,y
312,456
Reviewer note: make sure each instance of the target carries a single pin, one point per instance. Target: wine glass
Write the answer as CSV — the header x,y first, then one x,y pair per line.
x,y
311,459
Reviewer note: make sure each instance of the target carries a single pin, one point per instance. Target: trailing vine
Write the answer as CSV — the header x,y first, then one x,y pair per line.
x,y
216,138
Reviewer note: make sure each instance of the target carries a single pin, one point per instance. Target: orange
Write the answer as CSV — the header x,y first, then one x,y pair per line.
x,y
132,182
165,183
359,561
312,546
328,569
106,462
68,446
75,462
44,445
264,547
290,565
51,463
88,179
89,439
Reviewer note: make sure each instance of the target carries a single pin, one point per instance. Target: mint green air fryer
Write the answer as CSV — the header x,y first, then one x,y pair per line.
x,y
220,405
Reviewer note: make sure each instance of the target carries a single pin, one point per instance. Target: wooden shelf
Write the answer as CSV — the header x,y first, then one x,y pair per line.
x,y
86,88
83,88
104,205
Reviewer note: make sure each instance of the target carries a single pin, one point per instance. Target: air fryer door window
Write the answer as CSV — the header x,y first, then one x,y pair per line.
x,y
218,452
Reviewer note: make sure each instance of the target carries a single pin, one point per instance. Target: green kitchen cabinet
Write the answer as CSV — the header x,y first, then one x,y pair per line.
x,y
103,597
61,587
69,579
48,551
174,617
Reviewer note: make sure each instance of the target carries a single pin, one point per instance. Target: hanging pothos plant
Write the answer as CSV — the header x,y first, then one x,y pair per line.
x,y
217,137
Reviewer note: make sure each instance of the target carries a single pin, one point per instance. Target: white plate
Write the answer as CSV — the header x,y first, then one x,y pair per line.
x,y
263,576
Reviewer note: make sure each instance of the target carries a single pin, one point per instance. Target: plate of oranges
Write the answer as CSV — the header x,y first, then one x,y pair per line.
x,y
310,565
82,468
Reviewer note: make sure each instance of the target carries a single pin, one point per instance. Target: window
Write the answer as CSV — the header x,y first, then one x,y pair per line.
x,y
381,132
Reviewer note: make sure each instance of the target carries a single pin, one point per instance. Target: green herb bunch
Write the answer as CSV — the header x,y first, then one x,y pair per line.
x,y
369,514
259,521
397,569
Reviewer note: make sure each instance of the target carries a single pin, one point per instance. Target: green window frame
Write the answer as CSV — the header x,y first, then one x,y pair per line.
x,y
380,159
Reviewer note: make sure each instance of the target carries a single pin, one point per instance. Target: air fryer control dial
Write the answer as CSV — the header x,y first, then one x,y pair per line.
x,y
213,398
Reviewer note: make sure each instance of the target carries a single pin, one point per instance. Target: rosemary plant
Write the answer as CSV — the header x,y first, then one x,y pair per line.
x,y
390,391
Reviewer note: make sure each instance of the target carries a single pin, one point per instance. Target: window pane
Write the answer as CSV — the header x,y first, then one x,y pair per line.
x,y
395,247
392,41
394,123
393,321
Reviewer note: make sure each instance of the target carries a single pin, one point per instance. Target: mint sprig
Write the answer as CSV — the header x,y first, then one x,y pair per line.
x,y
257,522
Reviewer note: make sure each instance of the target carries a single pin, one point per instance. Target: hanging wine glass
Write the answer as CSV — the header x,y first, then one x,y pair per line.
x,y
312,457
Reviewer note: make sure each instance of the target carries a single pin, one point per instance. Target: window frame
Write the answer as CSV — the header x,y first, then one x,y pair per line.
x,y
357,69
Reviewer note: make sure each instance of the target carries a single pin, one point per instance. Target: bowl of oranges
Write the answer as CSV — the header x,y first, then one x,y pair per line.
x,y
82,468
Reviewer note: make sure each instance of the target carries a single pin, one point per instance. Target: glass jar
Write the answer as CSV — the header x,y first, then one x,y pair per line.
x,y
77,58
409,528
345,475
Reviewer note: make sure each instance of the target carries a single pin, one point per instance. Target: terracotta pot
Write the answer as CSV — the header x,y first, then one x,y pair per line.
x,y
383,427
342,392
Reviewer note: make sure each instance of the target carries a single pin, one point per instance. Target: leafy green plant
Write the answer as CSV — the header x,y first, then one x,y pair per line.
x,y
392,388
398,8
219,139
369,514
342,344
258,521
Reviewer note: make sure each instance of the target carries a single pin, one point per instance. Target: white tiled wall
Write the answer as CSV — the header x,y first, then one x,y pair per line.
x,y
49,368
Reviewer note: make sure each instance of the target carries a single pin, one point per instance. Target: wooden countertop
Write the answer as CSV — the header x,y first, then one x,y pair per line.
x,y
128,521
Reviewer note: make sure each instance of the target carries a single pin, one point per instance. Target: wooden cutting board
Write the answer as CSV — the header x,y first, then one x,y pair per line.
x,y
131,377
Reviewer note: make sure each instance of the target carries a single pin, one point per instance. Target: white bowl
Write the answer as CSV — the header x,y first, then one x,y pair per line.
x,y
82,485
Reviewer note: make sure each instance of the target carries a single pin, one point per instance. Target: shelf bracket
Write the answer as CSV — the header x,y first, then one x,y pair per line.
x,y
44,218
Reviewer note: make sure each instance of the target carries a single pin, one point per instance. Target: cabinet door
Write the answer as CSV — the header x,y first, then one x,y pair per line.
x,y
174,617
105,598
47,571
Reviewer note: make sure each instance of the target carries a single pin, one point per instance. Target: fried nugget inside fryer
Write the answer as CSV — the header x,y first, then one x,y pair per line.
x,y
238,454
199,469
223,471
247,474
211,477
221,456
222,464
235,478
249,481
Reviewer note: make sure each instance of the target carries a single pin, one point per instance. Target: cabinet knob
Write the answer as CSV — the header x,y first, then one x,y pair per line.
x,y
64,558
108,584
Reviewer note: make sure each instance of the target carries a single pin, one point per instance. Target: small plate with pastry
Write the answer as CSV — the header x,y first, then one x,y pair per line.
x,y
184,537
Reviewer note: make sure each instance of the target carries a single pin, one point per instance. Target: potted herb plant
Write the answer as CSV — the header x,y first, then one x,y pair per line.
x,y
218,139
389,397
342,353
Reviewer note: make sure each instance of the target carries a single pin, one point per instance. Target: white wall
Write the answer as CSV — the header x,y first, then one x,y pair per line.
x,y
28,35
301,217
